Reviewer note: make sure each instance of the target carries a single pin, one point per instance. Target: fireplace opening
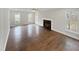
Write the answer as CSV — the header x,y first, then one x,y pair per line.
x,y
47,24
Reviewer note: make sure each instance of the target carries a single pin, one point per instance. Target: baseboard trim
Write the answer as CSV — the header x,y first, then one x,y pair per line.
x,y
66,34
6,39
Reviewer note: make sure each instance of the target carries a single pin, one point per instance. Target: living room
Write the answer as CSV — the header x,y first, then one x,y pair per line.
x,y
19,24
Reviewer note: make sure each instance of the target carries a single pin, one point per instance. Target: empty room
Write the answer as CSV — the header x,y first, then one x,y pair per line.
x,y
39,29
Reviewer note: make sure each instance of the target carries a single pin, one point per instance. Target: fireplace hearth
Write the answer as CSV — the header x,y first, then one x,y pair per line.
x,y
47,24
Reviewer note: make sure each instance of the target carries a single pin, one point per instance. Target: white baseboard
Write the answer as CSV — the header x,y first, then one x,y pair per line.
x,y
75,37
6,39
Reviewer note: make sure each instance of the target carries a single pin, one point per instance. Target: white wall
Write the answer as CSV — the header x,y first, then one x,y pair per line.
x,y
58,19
4,27
36,17
24,17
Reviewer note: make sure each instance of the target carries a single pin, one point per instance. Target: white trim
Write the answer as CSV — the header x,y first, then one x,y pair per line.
x,y
6,39
75,37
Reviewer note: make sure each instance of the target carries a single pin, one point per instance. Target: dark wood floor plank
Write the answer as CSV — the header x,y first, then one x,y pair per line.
x,y
35,38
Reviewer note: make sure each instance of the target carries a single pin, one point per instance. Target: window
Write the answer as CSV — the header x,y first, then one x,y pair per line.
x,y
17,18
30,17
73,22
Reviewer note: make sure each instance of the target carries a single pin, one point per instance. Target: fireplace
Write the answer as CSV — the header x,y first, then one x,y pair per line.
x,y
47,24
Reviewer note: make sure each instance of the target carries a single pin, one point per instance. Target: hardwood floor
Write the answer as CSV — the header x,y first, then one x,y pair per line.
x,y
35,38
